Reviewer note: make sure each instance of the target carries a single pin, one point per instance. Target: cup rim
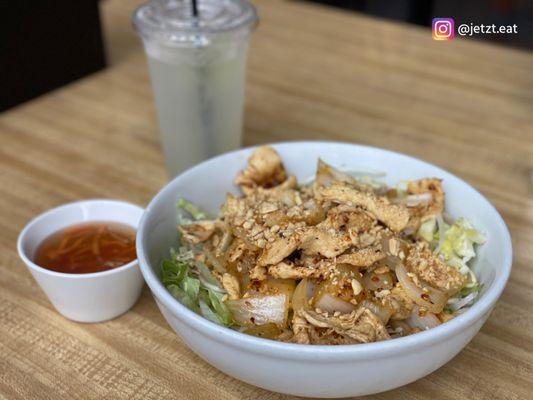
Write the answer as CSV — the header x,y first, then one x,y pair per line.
x,y
149,26
301,351
31,224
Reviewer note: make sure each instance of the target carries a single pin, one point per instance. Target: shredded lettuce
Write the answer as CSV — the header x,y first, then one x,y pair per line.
x,y
428,229
175,277
455,244
183,254
457,247
184,282
191,286
218,306
190,281
207,312
173,272
469,290
190,209
183,297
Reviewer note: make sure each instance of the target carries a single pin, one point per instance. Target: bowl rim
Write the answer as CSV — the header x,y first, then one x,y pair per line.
x,y
332,353
101,202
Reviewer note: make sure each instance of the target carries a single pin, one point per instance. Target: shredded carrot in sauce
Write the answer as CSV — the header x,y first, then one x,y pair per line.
x,y
87,247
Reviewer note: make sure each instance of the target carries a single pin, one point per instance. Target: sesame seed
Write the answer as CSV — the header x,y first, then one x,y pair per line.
x,y
356,286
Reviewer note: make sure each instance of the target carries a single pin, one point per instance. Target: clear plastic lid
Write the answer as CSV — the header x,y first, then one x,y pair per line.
x,y
172,21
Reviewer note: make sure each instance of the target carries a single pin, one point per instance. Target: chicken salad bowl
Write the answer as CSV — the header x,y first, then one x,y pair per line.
x,y
282,265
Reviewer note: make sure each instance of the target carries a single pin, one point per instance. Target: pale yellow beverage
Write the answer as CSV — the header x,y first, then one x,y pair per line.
x,y
199,108
197,68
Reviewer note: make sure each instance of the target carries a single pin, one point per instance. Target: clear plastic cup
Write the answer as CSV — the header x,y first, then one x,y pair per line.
x,y
197,68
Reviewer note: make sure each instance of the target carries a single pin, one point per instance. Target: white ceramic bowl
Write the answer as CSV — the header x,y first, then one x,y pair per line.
x,y
322,371
93,297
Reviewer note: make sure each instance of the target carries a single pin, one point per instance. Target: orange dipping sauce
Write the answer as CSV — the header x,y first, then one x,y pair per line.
x,y
87,247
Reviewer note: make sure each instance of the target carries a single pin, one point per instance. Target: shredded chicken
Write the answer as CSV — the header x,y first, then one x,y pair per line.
x,y
236,250
288,270
392,215
435,204
326,175
258,273
278,250
197,232
225,239
341,229
432,186
231,284
362,257
399,301
433,270
300,329
361,324
265,169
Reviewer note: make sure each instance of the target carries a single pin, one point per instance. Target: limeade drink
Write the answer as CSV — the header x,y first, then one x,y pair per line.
x,y
197,68
199,108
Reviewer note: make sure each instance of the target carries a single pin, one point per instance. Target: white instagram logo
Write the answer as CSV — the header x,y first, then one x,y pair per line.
x,y
443,29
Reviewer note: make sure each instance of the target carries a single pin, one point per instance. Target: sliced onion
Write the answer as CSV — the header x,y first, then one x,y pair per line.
x,y
227,237
394,246
210,286
260,310
326,175
302,294
206,277
373,281
281,286
382,312
441,230
205,273
391,262
330,303
447,218
428,297
414,200
465,301
424,321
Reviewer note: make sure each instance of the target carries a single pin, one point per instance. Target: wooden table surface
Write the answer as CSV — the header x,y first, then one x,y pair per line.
x,y
314,73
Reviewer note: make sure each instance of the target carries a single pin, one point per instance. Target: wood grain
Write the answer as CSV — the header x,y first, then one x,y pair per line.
x,y
314,73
